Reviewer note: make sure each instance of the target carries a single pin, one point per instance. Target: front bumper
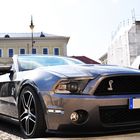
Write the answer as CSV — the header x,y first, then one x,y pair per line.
x,y
104,113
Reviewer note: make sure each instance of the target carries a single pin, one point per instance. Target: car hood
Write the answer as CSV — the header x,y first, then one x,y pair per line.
x,y
89,70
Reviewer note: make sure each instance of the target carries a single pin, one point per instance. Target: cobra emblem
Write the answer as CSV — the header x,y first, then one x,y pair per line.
x,y
110,88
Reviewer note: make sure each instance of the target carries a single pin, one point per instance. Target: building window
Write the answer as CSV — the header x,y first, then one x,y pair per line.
x,y
0,52
7,36
22,51
45,50
56,51
34,51
42,35
11,52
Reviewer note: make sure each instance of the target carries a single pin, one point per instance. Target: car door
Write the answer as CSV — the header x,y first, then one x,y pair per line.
x,y
7,96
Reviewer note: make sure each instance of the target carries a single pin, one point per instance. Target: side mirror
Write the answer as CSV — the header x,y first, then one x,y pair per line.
x,y
5,69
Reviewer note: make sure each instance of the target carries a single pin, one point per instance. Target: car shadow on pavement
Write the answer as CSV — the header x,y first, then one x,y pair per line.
x,y
104,134
12,128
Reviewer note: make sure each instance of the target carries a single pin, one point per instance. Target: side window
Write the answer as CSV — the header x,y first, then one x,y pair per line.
x,y
10,52
34,51
56,51
0,52
22,51
45,50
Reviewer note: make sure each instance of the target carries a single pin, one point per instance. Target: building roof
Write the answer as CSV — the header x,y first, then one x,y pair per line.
x,y
26,35
86,59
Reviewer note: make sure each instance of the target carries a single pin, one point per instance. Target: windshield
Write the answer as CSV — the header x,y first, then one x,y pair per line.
x,y
34,61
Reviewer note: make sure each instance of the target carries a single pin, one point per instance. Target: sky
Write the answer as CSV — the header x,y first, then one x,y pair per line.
x,y
88,23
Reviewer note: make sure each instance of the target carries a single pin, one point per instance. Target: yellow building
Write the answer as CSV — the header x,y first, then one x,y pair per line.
x,y
21,43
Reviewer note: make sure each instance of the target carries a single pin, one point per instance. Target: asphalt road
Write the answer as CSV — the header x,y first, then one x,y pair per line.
x,y
11,131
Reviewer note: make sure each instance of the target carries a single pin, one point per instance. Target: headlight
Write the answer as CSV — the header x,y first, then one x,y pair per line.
x,y
71,86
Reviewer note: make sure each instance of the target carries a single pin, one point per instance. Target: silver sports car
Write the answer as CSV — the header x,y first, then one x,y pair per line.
x,y
60,94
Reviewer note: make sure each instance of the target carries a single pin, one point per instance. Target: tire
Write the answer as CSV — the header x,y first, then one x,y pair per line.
x,y
30,112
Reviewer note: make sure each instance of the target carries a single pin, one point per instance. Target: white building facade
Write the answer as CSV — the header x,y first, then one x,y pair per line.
x,y
125,46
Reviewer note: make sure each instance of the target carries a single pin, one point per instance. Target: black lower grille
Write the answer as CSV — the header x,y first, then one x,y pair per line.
x,y
119,115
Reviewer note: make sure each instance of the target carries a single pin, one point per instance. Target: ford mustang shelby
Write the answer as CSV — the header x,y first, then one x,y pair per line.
x,y
60,94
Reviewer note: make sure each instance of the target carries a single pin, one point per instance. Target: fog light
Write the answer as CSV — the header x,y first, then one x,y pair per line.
x,y
74,117
79,116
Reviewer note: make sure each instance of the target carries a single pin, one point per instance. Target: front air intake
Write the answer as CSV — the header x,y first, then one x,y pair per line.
x,y
119,85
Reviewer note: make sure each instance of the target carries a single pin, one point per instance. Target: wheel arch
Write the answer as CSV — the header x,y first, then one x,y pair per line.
x,y
36,89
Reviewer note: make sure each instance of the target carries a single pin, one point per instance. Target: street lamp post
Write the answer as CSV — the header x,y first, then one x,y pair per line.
x,y
32,27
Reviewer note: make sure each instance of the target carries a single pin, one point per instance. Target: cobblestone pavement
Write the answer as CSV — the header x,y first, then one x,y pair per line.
x,y
10,131
6,136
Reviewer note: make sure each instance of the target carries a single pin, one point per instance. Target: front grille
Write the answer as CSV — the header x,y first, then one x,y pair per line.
x,y
118,85
119,115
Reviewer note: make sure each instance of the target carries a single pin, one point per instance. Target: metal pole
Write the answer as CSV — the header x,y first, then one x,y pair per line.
x,y
32,40
32,27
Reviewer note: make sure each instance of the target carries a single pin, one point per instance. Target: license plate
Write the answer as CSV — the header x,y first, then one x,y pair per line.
x,y
134,103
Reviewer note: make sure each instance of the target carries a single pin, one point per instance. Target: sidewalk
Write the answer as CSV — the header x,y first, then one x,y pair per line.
x,y
6,136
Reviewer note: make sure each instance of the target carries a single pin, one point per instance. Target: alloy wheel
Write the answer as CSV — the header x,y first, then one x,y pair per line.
x,y
27,114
